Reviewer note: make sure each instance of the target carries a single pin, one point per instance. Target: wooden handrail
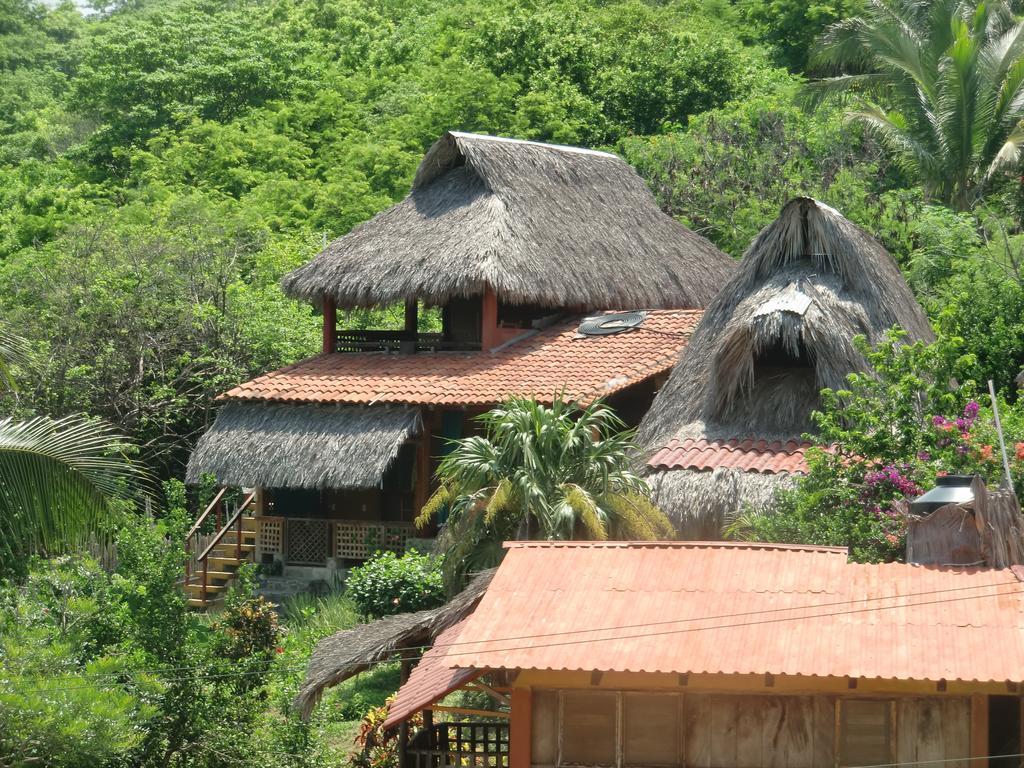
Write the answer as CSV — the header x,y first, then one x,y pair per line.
x,y
220,534
202,518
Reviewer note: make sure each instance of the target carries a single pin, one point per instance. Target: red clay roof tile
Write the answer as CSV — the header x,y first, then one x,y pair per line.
x,y
749,455
552,361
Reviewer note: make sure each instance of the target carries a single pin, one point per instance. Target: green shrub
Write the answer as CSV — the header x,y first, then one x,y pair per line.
x,y
387,584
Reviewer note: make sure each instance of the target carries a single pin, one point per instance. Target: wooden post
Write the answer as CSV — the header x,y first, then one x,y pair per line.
x,y
412,311
520,738
979,730
403,728
489,321
421,480
330,324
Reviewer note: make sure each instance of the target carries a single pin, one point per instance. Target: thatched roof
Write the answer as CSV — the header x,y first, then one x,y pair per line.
x,y
302,446
347,653
701,503
538,223
779,332
782,329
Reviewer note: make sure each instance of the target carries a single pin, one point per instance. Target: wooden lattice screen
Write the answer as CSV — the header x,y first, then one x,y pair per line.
x,y
462,745
354,540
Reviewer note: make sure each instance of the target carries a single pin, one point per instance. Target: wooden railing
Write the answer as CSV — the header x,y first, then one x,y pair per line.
x,y
358,540
462,745
205,544
399,341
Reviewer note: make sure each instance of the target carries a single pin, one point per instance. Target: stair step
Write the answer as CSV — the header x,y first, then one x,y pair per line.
x,y
198,588
217,561
197,577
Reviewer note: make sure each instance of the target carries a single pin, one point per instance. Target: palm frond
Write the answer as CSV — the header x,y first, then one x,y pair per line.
x,y
57,481
14,350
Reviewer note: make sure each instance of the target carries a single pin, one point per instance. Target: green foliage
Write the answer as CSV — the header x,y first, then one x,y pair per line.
x,y
791,26
559,472
884,439
939,83
387,584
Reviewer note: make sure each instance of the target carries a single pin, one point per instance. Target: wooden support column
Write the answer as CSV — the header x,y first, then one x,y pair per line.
x,y
403,728
421,480
412,318
979,730
330,324
520,737
489,321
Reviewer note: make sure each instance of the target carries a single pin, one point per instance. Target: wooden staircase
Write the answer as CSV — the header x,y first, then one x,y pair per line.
x,y
218,544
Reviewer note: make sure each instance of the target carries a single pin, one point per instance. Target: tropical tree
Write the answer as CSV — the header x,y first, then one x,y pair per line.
x,y
59,478
940,83
564,472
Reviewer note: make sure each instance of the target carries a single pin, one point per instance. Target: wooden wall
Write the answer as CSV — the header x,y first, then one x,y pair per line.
x,y
707,730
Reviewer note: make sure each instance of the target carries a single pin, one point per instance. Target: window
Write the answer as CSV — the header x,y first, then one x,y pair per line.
x,y
650,729
865,732
589,728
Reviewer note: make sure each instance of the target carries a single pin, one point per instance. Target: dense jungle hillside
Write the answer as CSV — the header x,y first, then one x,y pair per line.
x,y
164,162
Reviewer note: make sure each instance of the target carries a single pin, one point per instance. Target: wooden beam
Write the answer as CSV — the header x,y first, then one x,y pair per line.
x,y
421,479
493,693
489,321
330,324
520,739
979,730
467,711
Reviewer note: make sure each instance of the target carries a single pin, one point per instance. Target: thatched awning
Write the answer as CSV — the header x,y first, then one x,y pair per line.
x,y
302,446
344,654
538,223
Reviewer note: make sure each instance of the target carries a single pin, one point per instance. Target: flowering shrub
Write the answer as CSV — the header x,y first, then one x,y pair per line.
x,y
387,584
885,439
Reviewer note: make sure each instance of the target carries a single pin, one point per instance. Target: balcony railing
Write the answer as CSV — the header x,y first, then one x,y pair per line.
x,y
460,745
310,541
399,341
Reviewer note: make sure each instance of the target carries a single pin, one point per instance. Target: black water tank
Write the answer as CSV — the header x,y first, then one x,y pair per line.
x,y
951,489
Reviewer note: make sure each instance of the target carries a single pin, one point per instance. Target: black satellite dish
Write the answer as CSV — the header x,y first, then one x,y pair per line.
x,y
616,322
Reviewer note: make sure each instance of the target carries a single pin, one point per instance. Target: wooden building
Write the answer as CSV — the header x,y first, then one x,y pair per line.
x,y
724,655
512,244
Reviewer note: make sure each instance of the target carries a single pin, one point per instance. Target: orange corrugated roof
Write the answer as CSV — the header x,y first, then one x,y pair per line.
x,y
749,455
430,680
684,607
541,366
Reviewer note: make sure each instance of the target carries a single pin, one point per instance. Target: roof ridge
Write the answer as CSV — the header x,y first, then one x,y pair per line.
x,y
528,142
673,544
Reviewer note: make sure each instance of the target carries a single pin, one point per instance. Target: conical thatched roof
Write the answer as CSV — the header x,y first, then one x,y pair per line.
x,y
538,223
779,331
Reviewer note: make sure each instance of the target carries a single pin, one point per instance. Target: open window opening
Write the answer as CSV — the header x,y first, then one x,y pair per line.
x,y
1004,731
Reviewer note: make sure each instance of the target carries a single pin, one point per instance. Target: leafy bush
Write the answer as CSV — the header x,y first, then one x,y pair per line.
x,y
884,439
387,584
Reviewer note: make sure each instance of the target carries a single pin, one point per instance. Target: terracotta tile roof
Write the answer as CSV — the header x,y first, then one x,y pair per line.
x,y
540,366
692,607
749,455
430,680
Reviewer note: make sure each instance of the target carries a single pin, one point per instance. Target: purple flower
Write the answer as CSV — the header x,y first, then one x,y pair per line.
x,y
924,456
963,424
962,450
938,421
971,410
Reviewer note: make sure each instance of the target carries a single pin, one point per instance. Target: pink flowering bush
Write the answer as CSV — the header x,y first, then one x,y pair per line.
x,y
883,441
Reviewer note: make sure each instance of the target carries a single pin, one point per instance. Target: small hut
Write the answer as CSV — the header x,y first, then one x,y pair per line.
x,y
727,429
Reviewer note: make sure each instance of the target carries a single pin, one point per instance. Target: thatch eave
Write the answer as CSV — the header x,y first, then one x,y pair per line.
x,y
340,656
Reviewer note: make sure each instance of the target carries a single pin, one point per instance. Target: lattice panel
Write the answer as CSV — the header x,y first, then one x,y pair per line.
x,y
308,542
271,535
355,540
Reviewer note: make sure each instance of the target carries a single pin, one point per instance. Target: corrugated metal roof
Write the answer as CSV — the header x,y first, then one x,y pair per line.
x,y
748,455
553,360
683,607
430,680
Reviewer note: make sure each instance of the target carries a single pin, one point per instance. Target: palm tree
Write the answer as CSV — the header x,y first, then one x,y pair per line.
x,y
563,472
59,478
941,83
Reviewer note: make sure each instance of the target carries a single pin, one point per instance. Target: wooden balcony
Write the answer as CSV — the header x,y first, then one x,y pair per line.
x,y
460,745
399,341
310,541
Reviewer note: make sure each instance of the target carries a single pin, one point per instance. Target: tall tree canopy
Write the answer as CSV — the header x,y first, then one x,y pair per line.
x,y
941,83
